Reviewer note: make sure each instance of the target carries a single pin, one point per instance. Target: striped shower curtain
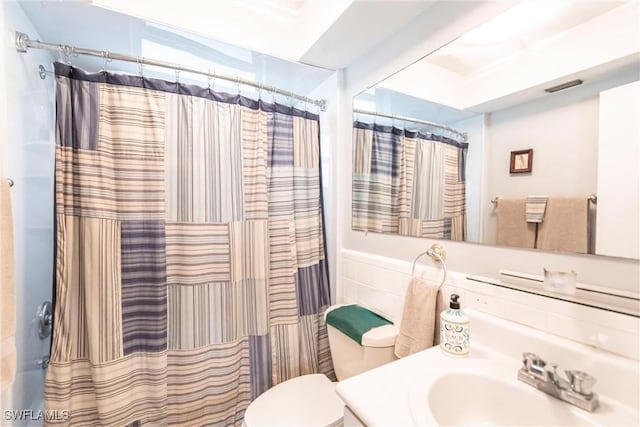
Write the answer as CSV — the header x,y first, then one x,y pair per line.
x,y
190,263
408,182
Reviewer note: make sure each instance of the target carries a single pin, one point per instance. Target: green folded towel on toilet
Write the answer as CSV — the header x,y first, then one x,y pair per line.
x,y
355,321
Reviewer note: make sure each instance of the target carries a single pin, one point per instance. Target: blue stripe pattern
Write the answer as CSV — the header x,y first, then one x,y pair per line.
x,y
144,291
280,130
385,154
312,286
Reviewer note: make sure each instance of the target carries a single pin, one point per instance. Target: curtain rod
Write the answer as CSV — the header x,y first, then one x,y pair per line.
x,y
23,42
408,119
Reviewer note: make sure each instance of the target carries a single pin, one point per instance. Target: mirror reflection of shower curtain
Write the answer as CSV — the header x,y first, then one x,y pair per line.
x,y
191,267
407,182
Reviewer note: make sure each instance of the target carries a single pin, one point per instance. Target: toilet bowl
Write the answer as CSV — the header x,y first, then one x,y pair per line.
x,y
311,400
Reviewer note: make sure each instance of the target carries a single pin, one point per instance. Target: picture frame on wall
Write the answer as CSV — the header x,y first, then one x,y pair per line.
x,y
521,161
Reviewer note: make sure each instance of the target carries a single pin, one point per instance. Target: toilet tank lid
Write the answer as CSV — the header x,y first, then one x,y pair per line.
x,y
382,336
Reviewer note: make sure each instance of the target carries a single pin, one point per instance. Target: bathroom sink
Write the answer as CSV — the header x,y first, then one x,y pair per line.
x,y
489,395
463,399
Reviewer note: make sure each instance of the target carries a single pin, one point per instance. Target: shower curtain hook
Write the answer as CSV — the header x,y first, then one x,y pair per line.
x,y
64,53
273,94
290,96
238,84
139,60
105,57
177,75
259,91
209,79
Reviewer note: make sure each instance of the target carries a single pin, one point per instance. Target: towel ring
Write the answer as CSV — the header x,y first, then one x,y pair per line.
x,y
437,253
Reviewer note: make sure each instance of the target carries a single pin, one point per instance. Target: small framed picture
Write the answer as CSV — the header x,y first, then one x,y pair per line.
x,y
521,161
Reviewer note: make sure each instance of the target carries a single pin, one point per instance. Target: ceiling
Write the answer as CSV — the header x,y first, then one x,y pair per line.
x,y
81,24
329,33
291,44
525,26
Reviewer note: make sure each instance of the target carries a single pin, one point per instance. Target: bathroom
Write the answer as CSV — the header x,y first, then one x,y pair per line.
x,y
347,62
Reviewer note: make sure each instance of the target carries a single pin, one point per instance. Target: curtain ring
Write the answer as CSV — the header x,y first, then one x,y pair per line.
x,y
105,57
64,54
177,75
259,91
273,94
140,65
290,96
209,79
238,84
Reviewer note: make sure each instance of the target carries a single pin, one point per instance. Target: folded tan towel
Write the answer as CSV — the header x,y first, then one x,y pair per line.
x,y
418,317
565,225
512,228
7,289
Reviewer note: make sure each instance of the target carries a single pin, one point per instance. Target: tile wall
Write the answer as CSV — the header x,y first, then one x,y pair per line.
x,y
379,283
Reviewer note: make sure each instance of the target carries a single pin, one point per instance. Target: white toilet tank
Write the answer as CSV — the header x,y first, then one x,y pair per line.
x,y
351,358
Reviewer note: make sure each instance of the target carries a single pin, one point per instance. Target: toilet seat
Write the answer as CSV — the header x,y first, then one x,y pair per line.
x,y
309,400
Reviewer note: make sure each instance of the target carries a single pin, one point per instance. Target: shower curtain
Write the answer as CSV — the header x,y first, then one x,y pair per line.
x,y
408,182
190,263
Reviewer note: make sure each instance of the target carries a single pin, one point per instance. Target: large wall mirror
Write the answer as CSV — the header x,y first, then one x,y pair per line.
x,y
523,132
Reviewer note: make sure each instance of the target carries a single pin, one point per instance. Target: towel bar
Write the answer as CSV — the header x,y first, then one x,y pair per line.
x,y
437,253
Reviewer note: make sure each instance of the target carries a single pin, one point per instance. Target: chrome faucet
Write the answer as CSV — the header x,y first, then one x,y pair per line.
x,y
576,389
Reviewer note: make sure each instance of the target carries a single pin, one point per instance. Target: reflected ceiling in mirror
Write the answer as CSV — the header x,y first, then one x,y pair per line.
x,y
483,96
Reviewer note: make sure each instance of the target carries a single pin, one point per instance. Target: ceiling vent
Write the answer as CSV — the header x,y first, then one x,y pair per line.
x,y
563,86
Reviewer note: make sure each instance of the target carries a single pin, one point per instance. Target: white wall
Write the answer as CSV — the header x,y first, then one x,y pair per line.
x,y
30,149
475,129
618,220
562,129
328,141
444,22
5,395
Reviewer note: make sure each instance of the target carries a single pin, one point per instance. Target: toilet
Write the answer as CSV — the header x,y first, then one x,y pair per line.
x,y
311,400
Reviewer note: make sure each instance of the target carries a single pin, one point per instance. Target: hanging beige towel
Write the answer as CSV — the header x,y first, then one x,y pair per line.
x,y
512,228
565,225
7,290
418,317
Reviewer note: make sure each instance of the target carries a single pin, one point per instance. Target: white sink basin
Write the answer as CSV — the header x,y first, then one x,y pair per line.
x,y
465,399
487,392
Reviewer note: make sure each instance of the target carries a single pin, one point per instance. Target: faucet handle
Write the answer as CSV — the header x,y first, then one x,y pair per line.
x,y
535,365
581,382
530,358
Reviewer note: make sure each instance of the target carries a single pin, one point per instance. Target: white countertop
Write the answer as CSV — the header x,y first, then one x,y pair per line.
x,y
387,395
380,397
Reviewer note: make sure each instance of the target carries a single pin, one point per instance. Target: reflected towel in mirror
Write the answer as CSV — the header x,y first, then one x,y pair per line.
x,y
512,229
565,226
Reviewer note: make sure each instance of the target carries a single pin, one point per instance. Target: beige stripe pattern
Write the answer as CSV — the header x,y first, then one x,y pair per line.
x,y
108,394
88,278
190,266
203,160
249,247
409,184
131,121
283,303
198,253
202,393
216,313
306,144
254,156
97,184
